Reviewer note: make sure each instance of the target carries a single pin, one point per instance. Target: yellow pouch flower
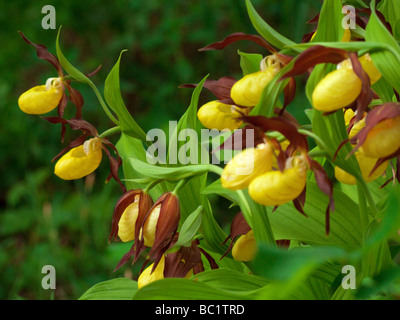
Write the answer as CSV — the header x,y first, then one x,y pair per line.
x,y
366,165
382,140
337,89
245,247
80,161
42,99
220,116
276,187
245,166
247,91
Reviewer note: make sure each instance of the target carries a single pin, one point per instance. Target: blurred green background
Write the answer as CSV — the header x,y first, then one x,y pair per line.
x,y
45,220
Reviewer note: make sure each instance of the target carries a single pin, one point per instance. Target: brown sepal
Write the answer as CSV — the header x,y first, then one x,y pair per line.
x,y
239,36
44,54
220,88
313,56
282,125
239,227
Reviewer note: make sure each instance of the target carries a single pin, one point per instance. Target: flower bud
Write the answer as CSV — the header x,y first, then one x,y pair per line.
x,y
80,161
383,139
247,91
369,68
245,247
246,166
220,116
162,221
42,99
337,89
366,166
276,187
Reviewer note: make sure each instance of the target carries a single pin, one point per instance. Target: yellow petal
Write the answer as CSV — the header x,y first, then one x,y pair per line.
x,y
336,90
245,247
348,115
79,161
275,187
247,91
147,277
356,128
41,99
383,140
149,228
220,116
126,225
370,69
245,166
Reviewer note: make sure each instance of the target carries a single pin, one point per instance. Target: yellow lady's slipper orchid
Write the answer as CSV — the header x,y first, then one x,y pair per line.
x,y
220,116
126,225
147,277
246,166
369,68
247,91
276,187
366,165
245,247
80,161
337,89
42,99
382,140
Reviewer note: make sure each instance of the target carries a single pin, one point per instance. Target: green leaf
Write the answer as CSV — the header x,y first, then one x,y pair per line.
x,y
385,282
391,10
115,289
189,228
231,280
265,30
67,66
112,94
250,62
131,149
187,122
288,265
386,62
169,173
390,221
288,223
330,22
184,289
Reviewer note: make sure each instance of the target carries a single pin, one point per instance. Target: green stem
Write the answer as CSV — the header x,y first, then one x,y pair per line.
x,y
103,104
152,184
179,185
368,196
362,204
110,132
319,141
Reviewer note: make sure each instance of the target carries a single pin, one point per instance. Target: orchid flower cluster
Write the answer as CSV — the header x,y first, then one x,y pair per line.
x,y
351,143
